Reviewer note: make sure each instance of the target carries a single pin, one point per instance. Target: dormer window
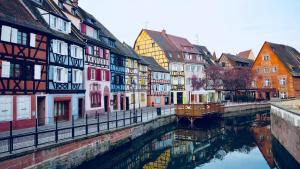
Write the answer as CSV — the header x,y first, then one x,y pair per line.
x,y
60,4
38,1
55,22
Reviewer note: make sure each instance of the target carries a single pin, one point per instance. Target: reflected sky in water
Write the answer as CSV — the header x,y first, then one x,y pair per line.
x,y
234,143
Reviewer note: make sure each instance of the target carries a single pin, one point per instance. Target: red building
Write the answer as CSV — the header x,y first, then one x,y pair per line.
x,y
23,58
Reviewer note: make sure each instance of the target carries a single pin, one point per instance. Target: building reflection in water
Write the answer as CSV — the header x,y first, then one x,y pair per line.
x,y
191,148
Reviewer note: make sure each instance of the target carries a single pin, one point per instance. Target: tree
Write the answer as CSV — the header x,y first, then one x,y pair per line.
x,y
214,75
197,83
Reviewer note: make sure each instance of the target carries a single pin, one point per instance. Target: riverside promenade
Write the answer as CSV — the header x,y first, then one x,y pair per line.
x,y
285,125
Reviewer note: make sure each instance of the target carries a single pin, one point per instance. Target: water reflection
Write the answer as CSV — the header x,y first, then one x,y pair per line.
x,y
244,142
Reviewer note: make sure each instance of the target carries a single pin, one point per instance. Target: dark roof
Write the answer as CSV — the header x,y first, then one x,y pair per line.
x,y
53,9
163,42
129,51
205,53
182,44
237,58
289,56
153,65
14,12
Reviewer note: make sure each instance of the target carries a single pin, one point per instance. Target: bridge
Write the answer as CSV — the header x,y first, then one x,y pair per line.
x,y
197,111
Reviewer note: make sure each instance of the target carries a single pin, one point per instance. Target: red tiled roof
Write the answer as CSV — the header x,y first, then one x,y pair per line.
x,y
245,54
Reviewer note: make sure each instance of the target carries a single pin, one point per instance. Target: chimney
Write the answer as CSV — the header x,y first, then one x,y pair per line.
x,y
75,3
164,31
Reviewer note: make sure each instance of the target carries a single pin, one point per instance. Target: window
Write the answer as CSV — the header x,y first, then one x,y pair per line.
x,y
77,76
32,40
76,52
19,71
60,4
93,74
267,83
61,109
223,64
283,95
60,47
103,75
95,99
22,38
282,81
257,70
59,24
274,69
37,72
132,98
60,75
143,97
266,57
157,100
23,107
266,70
153,44
253,84
6,108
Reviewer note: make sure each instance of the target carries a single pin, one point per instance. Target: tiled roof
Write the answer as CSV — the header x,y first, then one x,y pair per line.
x,y
182,44
14,12
153,65
52,8
237,58
289,56
164,43
205,53
129,51
245,54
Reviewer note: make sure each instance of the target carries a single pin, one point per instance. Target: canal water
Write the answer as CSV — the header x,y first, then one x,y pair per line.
x,y
212,143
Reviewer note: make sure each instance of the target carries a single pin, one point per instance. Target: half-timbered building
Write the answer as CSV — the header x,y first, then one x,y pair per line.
x,y
97,56
143,82
65,91
158,45
158,83
23,65
132,92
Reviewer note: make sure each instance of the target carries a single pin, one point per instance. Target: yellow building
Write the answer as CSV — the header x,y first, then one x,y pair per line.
x,y
159,46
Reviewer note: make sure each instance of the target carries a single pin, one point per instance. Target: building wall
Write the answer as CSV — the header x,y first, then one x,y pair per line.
x,y
260,76
146,46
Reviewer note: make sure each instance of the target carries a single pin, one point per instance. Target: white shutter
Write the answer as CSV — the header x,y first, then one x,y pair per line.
x,y
5,33
74,76
5,69
68,27
80,76
14,35
65,48
37,72
6,108
32,39
73,51
66,78
55,73
80,53
54,46
23,107
52,18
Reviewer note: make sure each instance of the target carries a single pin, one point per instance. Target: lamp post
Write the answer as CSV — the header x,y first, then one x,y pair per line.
x,y
133,84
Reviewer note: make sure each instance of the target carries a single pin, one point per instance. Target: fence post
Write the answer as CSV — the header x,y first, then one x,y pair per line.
x,y
73,130
107,121
56,131
98,122
116,119
11,146
36,133
130,116
124,118
141,115
86,125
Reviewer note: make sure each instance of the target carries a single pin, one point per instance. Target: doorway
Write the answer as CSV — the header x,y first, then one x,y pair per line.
x,y
179,97
268,96
127,103
41,116
172,98
80,107
61,110
166,100
106,101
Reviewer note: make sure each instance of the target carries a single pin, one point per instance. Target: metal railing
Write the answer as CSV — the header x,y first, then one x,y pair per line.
x,y
26,139
198,110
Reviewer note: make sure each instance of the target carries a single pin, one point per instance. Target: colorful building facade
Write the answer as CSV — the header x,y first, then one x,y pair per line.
x,y
159,84
276,72
97,57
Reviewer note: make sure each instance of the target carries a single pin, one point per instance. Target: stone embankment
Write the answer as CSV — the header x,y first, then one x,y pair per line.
x,y
75,152
285,125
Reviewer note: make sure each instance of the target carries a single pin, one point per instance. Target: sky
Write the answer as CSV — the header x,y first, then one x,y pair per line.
x,y
224,26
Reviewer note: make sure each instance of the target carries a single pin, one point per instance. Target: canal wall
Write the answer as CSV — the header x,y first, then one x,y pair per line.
x,y
285,127
244,109
73,153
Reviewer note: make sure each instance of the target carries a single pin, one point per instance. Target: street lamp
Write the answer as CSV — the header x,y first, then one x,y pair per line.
x,y
133,85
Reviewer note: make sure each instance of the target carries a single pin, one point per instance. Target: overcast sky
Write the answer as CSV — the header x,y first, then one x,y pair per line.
x,y
228,26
